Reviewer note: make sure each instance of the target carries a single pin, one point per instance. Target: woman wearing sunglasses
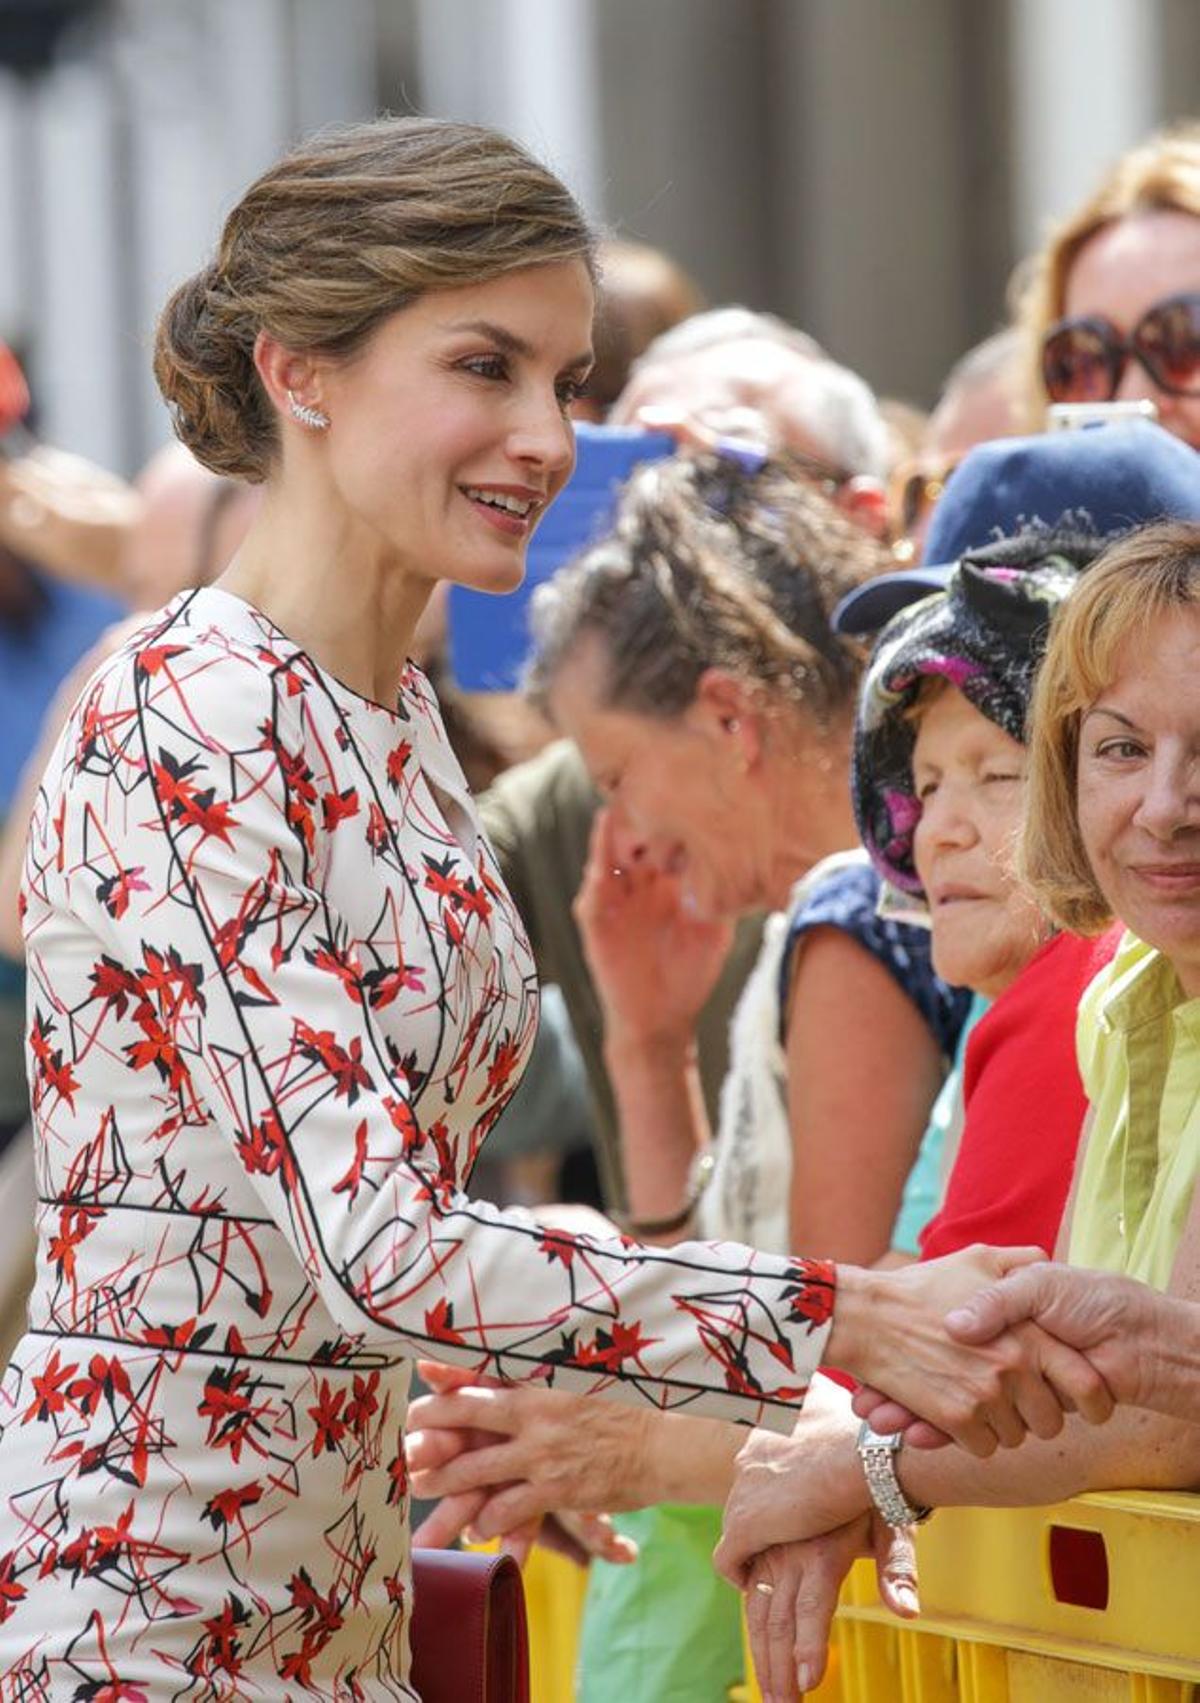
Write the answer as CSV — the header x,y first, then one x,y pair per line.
x,y
1112,309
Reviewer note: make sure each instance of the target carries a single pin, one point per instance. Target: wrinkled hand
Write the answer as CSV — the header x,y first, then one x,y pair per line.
x,y
502,1457
653,963
889,1330
788,1489
1120,1324
471,1513
790,1625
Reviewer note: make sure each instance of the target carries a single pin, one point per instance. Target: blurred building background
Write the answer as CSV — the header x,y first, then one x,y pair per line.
x,y
871,169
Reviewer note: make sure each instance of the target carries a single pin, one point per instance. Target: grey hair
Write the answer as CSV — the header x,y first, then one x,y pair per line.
x,y
730,324
838,410
997,356
841,412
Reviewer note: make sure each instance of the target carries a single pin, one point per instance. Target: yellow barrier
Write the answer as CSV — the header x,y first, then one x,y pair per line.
x,y
554,1590
1093,1601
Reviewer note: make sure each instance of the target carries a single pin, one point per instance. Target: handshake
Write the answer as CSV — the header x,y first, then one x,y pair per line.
x,y
979,1349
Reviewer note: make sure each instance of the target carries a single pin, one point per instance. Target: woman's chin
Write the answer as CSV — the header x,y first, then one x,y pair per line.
x,y
493,579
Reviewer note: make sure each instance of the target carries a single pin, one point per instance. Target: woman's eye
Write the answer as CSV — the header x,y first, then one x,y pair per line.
x,y
925,789
1123,750
569,390
487,366
998,775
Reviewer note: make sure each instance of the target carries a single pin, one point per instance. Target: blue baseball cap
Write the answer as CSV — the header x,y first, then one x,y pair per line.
x,y
1106,478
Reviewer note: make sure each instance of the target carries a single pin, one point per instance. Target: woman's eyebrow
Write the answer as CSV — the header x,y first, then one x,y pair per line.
x,y
510,343
1114,715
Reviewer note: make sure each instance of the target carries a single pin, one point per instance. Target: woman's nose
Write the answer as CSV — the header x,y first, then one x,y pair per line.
x,y
1136,384
1170,801
543,437
944,818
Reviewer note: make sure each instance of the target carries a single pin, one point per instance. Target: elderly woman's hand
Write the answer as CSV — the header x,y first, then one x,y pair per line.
x,y
1135,1337
789,1489
504,1457
889,1331
653,962
792,1595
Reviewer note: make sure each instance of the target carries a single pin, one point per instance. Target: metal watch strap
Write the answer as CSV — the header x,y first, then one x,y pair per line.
x,y
877,1451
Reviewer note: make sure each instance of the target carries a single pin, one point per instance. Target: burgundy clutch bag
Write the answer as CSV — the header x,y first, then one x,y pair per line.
x,y
468,1634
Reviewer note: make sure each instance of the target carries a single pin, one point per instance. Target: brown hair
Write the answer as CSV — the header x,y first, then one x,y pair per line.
x,y
331,241
1145,575
1163,173
642,293
710,565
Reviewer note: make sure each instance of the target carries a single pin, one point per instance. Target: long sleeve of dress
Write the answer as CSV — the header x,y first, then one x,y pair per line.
x,y
253,928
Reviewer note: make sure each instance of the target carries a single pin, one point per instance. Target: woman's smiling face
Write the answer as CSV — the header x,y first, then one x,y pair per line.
x,y
1138,788
969,776
450,430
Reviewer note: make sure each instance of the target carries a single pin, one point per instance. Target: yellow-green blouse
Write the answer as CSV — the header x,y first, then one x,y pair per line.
x,y
1138,1040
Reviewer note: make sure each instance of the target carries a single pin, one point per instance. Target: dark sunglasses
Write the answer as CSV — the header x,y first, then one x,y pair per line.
x,y
1083,359
914,488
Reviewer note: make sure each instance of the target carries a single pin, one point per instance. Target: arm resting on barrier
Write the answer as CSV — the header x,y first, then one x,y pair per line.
x,y
788,1489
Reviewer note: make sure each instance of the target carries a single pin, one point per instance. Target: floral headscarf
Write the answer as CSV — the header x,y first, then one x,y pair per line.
x,y
985,634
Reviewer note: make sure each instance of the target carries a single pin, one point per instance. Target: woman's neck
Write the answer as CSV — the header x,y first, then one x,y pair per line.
x,y
809,781
340,592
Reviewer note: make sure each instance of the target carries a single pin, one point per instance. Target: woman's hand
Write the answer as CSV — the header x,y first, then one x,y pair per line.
x,y
581,1538
1127,1330
654,965
503,1457
1123,1327
889,1331
789,1622
788,1489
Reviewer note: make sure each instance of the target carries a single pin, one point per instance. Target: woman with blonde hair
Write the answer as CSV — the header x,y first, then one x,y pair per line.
x,y
1112,830
1111,305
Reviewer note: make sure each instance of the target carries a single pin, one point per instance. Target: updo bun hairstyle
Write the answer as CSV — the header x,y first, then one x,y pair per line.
x,y
327,244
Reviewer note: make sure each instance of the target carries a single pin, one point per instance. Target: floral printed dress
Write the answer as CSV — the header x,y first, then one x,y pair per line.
x,y
277,998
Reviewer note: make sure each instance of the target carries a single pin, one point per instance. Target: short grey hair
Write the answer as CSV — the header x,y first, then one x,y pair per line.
x,y
837,409
841,412
997,356
730,324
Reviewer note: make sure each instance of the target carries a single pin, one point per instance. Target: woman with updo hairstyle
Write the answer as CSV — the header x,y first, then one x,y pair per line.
x,y
1110,307
278,994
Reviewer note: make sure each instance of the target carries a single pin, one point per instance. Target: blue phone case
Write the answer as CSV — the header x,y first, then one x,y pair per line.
x,y
489,636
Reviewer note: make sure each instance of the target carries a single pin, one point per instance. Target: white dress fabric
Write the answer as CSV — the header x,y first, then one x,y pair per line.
x,y
277,998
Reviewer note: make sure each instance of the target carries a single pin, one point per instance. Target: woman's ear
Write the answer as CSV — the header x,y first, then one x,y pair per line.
x,y
864,501
289,379
732,713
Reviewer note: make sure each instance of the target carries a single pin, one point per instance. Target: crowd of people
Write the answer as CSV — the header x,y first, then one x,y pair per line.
x,y
846,836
